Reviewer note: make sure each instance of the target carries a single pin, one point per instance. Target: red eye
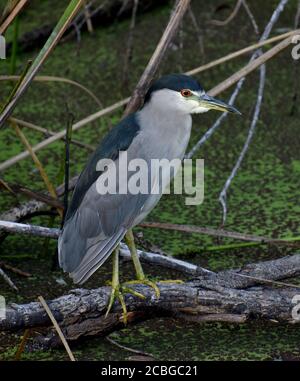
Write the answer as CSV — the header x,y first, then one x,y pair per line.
x,y
186,93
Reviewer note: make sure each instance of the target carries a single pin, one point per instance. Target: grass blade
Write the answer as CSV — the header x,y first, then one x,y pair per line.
x,y
55,36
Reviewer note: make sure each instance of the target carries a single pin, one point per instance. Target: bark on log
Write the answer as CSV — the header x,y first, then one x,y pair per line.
x,y
223,296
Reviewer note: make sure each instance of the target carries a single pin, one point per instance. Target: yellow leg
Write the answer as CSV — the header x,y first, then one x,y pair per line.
x,y
129,238
118,290
141,278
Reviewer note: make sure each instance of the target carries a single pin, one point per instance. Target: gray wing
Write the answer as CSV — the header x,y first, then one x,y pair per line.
x,y
95,223
95,229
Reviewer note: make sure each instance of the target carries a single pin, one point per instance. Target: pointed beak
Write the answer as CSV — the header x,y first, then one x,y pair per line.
x,y
215,104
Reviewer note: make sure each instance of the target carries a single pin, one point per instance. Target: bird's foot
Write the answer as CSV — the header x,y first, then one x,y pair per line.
x,y
147,282
117,292
150,283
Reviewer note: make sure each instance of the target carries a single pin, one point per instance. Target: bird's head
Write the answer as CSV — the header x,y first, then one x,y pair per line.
x,y
184,94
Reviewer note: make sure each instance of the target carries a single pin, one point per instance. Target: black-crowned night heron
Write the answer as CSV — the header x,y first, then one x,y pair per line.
x,y
96,222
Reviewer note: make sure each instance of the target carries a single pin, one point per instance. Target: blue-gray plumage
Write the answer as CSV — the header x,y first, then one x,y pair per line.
x,y
95,223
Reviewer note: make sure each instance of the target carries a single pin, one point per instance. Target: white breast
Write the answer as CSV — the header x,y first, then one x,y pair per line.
x,y
162,136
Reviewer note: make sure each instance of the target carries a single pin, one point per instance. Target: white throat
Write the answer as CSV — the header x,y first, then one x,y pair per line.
x,y
169,130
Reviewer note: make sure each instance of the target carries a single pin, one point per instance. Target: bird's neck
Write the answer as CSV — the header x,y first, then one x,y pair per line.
x,y
170,129
156,116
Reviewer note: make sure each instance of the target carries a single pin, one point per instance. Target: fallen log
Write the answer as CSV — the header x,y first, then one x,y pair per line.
x,y
230,296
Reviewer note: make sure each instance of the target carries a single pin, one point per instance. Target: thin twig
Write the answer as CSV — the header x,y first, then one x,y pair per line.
x,y
198,31
10,4
240,52
128,52
14,13
30,208
50,78
230,17
251,16
37,162
161,48
223,194
267,281
48,200
87,16
40,231
136,351
21,347
48,133
5,185
180,47
262,80
250,67
8,280
57,327
214,232
15,270
79,21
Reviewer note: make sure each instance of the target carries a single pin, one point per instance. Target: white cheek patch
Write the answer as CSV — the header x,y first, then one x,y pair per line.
x,y
171,100
200,110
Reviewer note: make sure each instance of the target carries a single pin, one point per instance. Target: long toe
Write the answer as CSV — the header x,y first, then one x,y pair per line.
x,y
111,300
118,292
148,283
